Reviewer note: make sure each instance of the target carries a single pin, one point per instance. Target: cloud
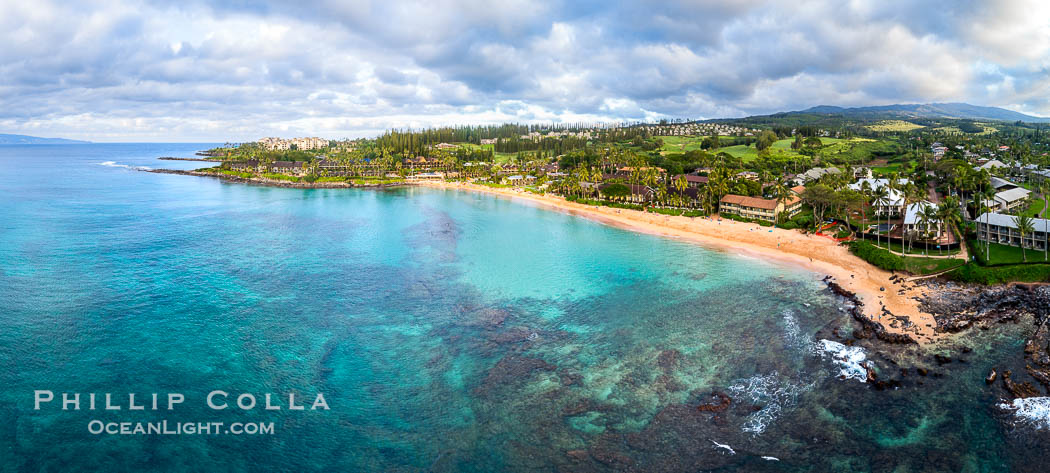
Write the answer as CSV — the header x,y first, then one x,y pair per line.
x,y
170,70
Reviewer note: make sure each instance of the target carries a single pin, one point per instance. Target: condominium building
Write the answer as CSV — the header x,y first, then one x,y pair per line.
x,y
758,208
1002,229
282,144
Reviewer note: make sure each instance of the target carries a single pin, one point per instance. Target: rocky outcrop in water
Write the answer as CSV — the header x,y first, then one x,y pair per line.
x,y
511,371
719,403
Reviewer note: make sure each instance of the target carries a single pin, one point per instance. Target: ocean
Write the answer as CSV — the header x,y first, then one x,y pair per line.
x,y
446,331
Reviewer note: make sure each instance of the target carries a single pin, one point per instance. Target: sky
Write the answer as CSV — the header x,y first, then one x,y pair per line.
x,y
194,70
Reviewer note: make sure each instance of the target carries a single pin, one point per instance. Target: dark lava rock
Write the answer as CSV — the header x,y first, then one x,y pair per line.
x,y
610,457
514,335
869,326
718,402
578,455
669,360
511,371
571,379
1022,390
871,373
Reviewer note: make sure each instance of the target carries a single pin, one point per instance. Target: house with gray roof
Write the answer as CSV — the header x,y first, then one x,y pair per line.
x,y
1002,229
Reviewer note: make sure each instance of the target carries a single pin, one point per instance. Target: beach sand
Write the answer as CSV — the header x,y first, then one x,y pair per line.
x,y
815,253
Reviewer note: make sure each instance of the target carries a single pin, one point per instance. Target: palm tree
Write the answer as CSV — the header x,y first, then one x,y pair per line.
x,y
680,185
927,215
782,192
949,214
1024,227
879,197
987,196
911,193
1044,188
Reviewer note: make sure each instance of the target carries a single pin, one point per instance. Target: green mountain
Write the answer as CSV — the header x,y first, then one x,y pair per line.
x,y
33,140
929,110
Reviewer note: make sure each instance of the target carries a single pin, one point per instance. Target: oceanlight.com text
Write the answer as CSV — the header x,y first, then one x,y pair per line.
x,y
98,427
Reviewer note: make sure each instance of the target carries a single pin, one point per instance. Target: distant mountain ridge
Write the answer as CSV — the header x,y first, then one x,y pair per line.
x,y
929,110
6,139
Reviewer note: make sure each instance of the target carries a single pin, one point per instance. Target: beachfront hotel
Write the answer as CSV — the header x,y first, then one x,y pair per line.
x,y
758,208
281,144
1002,229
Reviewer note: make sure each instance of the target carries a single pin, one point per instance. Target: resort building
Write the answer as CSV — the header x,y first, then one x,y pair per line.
x,y
292,168
639,194
1001,184
1008,200
690,196
692,181
518,179
814,174
281,144
992,165
1039,176
249,166
914,224
424,176
1002,229
862,172
893,205
758,208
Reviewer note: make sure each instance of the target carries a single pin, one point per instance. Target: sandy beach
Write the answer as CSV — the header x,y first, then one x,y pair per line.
x,y
816,253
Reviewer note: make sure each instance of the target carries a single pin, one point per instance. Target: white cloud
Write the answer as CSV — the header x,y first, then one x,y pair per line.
x,y
193,70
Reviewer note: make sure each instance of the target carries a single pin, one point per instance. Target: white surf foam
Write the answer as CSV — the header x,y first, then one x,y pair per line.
x,y
1034,411
773,393
793,335
114,164
850,360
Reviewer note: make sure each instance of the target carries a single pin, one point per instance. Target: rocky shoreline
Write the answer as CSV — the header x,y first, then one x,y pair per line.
x,y
206,160
957,309
960,308
262,181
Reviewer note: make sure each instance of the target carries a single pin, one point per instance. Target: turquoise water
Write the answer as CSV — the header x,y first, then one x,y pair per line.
x,y
447,331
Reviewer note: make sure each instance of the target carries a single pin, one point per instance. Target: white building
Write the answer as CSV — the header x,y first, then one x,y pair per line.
x,y
894,202
1002,229
1008,200
913,223
992,165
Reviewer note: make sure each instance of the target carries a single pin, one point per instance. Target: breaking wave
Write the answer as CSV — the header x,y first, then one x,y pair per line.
x,y
850,360
793,335
773,393
114,164
1034,411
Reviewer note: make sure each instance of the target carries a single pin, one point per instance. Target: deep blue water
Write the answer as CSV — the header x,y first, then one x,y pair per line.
x,y
447,331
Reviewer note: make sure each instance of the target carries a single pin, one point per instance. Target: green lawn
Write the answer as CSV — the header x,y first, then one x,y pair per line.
x,y
1034,208
887,169
680,144
920,266
748,153
1003,254
497,157
917,248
